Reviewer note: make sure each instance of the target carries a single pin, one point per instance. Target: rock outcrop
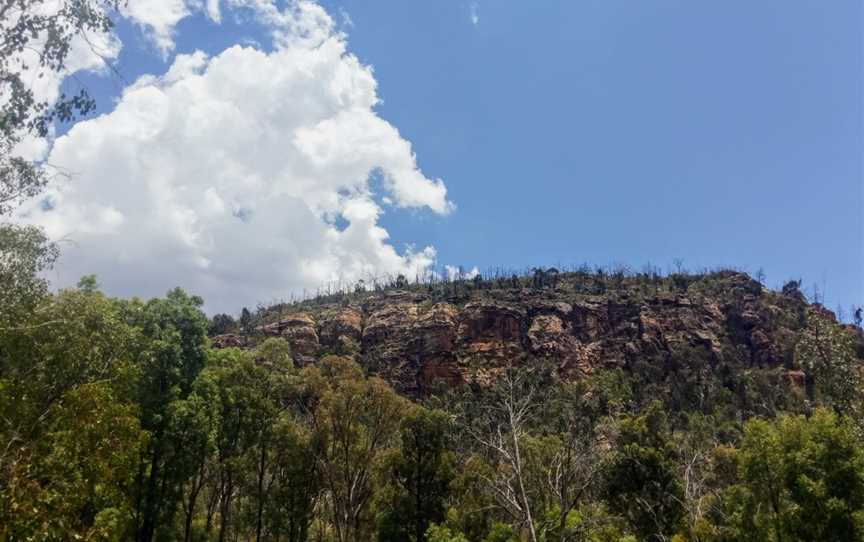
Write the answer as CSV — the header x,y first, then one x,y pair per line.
x,y
301,331
417,341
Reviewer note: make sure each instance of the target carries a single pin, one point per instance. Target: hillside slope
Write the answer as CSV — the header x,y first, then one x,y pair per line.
x,y
422,336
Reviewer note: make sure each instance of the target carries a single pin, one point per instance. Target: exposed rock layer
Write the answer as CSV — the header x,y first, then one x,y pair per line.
x,y
417,343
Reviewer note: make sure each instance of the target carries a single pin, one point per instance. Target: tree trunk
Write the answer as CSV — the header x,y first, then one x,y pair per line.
x,y
225,508
197,484
148,525
261,471
528,516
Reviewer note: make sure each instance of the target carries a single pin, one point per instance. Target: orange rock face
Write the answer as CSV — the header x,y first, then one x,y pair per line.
x,y
491,332
300,331
343,330
416,343
229,340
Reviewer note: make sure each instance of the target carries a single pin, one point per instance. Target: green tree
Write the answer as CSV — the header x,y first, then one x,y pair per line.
x,y
566,454
74,338
171,352
88,283
275,354
354,421
826,352
268,382
72,482
240,390
641,482
294,482
69,436
799,479
194,424
245,321
25,253
442,533
222,323
419,473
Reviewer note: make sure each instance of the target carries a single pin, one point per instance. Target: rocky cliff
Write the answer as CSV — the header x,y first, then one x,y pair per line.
x,y
423,336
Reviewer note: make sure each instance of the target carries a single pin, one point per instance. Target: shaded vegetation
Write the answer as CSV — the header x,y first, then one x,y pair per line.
x,y
119,422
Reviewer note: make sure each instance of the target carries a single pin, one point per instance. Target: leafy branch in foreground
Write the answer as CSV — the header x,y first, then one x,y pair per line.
x,y
36,39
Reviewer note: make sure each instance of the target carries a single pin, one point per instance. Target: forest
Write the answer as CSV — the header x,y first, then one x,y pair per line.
x,y
120,421
128,419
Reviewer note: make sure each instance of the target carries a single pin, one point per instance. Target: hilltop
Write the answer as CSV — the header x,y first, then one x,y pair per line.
x,y
420,336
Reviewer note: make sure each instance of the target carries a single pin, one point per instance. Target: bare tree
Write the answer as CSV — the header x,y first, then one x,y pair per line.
x,y
503,437
573,471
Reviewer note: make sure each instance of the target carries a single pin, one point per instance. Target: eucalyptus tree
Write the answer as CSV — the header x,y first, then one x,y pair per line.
x,y
36,39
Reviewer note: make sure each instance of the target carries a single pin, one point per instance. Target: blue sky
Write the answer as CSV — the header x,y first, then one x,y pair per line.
x,y
721,133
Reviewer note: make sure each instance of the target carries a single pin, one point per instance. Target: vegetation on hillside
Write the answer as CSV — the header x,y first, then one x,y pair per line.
x,y
567,283
119,422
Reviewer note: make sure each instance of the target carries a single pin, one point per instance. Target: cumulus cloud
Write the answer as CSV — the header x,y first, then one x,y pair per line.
x,y
458,273
241,177
158,18
474,13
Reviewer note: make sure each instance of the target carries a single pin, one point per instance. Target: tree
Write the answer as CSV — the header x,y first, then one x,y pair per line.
x,y
566,463
418,476
240,389
194,425
25,254
245,321
275,354
71,482
502,430
826,352
253,437
799,479
88,283
268,384
222,323
294,483
441,533
75,338
472,509
35,42
171,352
69,436
354,420
641,482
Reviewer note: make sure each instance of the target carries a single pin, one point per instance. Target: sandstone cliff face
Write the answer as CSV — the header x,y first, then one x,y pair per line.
x,y
301,331
417,342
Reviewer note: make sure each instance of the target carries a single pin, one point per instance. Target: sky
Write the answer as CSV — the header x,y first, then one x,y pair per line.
x,y
247,149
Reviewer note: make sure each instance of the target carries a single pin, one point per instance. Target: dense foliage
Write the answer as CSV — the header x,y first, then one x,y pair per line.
x,y
119,421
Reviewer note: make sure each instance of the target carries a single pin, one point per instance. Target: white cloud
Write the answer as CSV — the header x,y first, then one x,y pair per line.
x,y
347,22
457,273
158,18
213,11
300,23
226,175
474,13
